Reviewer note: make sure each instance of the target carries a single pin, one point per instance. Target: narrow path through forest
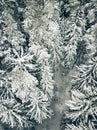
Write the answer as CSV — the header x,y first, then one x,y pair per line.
x,y
63,84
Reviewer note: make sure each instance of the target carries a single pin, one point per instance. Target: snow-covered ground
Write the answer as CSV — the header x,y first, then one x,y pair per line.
x,y
63,83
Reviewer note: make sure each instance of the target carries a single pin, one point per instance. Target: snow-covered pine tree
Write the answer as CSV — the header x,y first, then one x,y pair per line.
x,y
78,20
42,24
26,78
73,127
81,108
72,30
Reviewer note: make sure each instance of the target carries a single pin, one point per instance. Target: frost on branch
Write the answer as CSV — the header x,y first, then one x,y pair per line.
x,y
24,66
43,28
87,75
47,81
22,84
26,87
11,114
72,15
10,33
43,58
78,30
72,127
81,108
39,106
51,35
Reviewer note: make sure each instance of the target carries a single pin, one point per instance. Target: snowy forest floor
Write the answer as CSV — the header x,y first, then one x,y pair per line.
x,y
63,83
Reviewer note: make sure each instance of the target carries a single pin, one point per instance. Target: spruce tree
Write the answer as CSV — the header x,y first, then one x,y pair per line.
x,y
81,108
26,78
